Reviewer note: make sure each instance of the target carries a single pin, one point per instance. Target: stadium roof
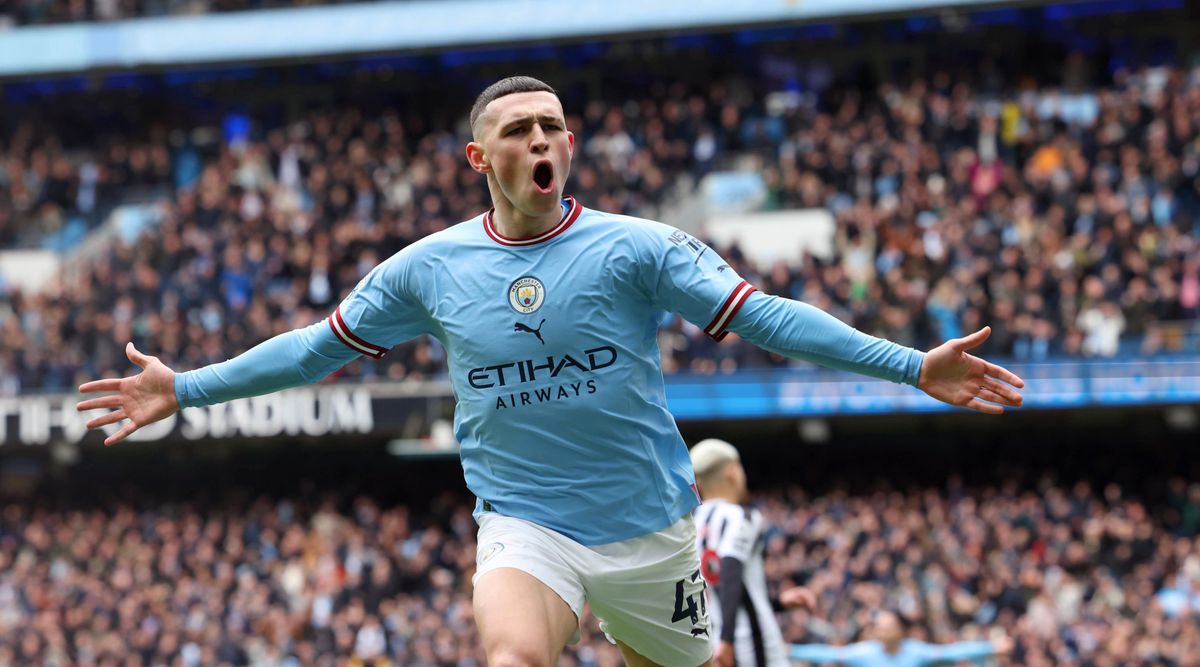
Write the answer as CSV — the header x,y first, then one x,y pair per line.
x,y
380,27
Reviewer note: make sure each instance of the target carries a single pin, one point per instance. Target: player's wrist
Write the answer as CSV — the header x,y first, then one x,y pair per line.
x,y
917,377
173,391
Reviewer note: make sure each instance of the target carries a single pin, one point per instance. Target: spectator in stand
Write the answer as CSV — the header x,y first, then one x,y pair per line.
x,y
1077,574
889,648
953,208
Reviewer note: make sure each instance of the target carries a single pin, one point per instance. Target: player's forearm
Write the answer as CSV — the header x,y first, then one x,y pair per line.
x,y
291,359
818,653
798,330
972,650
729,592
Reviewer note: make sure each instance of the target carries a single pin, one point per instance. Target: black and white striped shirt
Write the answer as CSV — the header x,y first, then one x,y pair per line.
x,y
726,530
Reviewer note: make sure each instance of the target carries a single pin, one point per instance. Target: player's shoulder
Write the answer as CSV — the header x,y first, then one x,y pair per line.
x,y
723,510
627,227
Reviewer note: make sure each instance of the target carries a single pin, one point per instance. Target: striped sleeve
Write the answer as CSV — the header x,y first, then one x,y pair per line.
x,y
690,278
717,328
347,337
382,311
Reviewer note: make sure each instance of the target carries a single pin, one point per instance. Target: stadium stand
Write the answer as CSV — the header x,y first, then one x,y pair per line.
x,y
1079,567
1066,224
1056,199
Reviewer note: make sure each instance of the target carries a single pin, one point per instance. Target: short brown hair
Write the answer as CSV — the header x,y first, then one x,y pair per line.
x,y
509,86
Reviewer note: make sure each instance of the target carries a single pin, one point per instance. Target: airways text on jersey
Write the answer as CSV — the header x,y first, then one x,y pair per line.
x,y
505,377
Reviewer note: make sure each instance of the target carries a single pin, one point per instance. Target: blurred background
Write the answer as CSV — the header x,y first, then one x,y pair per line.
x,y
199,175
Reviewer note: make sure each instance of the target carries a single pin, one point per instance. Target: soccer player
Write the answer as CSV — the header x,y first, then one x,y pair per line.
x,y
891,649
548,314
730,540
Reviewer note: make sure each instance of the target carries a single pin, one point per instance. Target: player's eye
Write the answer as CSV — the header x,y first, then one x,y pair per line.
x,y
515,131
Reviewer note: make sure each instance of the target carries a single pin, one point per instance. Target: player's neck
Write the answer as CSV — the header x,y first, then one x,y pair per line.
x,y
722,493
514,224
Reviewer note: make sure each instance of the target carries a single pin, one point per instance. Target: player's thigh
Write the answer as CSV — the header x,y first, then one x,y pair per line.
x,y
634,659
522,622
649,596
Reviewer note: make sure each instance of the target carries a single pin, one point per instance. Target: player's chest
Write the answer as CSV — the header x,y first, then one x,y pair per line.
x,y
531,303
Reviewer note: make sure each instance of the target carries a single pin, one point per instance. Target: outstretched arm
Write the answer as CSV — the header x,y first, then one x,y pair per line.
x,y
301,356
379,313
291,359
819,654
947,372
970,650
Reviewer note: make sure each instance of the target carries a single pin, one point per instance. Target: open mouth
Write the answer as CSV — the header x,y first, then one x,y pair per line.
x,y
543,177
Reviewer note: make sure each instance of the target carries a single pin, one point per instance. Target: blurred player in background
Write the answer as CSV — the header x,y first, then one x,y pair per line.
x,y
889,648
730,538
548,313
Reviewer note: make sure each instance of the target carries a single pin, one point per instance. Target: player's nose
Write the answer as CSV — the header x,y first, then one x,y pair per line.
x,y
538,142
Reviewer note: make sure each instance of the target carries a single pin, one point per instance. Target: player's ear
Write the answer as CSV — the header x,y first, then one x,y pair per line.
x,y
570,144
477,158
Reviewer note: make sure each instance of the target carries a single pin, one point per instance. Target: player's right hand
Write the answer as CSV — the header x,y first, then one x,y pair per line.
x,y
798,597
142,399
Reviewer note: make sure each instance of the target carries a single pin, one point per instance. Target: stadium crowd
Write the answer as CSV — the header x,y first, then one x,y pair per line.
x,y
1076,575
43,12
1066,222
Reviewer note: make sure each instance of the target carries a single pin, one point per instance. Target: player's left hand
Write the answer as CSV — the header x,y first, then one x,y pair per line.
x,y
723,656
951,375
798,597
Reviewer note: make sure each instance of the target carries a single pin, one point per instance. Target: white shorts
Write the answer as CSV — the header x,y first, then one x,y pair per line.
x,y
647,591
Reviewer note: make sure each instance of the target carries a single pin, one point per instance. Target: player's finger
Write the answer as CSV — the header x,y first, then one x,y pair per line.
x,y
992,397
136,357
986,408
1003,393
109,384
111,401
974,340
106,419
120,435
1004,374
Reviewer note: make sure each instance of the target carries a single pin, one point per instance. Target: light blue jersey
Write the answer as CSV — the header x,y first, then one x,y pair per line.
x,y
553,356
912,653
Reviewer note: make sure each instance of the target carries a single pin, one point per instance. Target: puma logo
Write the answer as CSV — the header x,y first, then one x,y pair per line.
x,y
519,326
696,632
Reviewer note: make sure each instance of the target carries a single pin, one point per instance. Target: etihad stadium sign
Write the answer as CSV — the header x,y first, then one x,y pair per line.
x,y
409,409
330,410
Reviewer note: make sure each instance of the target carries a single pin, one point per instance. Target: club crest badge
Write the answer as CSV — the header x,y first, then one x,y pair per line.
x,y
526,294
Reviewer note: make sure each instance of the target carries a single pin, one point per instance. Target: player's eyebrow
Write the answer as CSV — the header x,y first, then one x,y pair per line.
x,y
527,119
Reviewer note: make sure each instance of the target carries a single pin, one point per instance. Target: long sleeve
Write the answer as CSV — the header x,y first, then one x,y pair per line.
x,y
379,313
798,330
298,357
973,650
855,655
729,592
